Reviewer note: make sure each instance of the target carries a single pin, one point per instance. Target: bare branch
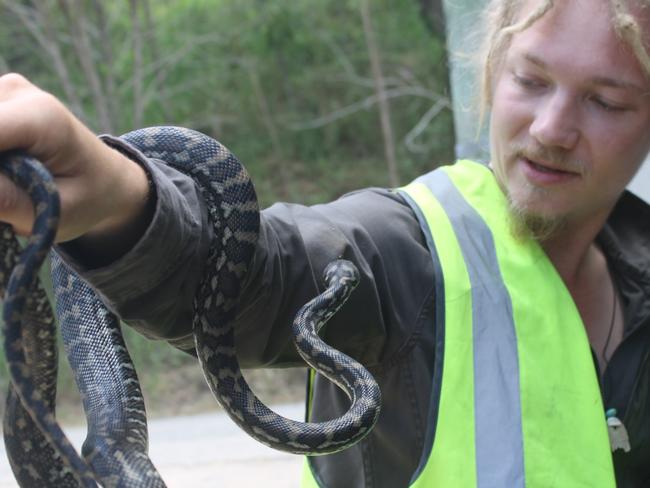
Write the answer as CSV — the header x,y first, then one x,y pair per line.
x,y
105,45
380,88
37,24
159,80
136,29
349,72
423,123
164,65
365,104
341,57
74,13
268,121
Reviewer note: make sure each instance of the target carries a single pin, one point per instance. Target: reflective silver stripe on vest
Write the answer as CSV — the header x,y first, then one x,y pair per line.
x,y
497,403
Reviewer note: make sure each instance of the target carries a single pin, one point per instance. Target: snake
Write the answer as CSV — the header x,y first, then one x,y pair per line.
x,y
114,453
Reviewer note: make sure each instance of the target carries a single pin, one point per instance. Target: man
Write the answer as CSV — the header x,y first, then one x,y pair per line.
x,y
481,289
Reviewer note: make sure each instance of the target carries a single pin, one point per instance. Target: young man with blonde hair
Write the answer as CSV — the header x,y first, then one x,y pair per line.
x,y
503,309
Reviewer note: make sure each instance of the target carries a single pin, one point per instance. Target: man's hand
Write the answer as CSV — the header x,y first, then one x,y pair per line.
x,y
102,192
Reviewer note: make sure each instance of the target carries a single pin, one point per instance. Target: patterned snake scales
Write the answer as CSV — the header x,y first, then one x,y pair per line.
x,y
114,453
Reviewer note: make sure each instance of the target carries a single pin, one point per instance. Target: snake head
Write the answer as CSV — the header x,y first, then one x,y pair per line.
x,y
341,272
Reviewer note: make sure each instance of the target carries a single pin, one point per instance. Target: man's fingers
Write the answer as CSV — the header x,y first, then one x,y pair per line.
x,y
15,206
12,82
17,209
14,112
33,120
92,179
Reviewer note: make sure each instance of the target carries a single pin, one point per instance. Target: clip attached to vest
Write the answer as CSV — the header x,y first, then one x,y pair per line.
x,y
618,438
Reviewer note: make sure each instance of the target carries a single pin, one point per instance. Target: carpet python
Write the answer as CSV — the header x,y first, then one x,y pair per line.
x,y
114,453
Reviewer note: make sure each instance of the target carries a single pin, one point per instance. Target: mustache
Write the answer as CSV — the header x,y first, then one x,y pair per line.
x,y
555,156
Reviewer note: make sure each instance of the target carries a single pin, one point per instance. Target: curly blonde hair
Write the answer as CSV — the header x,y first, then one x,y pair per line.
x,y
504,19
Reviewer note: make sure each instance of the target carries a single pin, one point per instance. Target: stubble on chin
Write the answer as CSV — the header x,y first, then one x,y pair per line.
x,y
525,221
527,224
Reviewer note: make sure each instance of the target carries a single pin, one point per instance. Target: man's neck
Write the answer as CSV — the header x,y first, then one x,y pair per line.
x,y
572,251
583,268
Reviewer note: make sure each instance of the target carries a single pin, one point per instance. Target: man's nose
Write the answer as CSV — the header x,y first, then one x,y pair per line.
x,y
555,122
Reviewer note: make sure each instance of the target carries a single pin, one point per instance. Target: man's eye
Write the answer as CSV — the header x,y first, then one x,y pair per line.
x,y
608,107
528,83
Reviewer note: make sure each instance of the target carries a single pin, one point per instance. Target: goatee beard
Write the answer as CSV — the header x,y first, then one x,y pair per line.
x,y
527,225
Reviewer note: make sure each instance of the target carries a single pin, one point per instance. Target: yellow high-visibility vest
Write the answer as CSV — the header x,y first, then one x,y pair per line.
x,y
516,397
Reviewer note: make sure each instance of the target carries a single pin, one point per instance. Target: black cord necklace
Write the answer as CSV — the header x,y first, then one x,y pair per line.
x,y
611,325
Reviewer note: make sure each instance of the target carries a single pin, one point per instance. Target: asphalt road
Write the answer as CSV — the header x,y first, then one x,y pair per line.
x,y
207,450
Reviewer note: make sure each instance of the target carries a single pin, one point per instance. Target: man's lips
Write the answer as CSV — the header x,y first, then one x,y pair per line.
x,y
542,173
546,167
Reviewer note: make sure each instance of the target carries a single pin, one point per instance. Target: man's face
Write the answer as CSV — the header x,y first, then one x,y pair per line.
x,y
570,119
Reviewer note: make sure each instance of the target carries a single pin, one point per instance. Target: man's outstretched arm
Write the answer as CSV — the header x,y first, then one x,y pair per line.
x,y
104,195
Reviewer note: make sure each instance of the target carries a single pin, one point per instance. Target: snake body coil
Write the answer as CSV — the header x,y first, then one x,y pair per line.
x,y
115,450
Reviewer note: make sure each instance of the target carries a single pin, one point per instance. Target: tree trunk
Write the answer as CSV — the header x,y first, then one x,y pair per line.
x,y
380,90
433,15
36,21
269,123
75,15
106,50
138,105
159,79
432,12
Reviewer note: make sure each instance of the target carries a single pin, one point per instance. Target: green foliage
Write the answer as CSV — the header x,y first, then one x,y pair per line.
x,y
308,58
258,75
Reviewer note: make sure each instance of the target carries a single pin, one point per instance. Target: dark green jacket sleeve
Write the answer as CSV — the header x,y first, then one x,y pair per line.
x,y
151,287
